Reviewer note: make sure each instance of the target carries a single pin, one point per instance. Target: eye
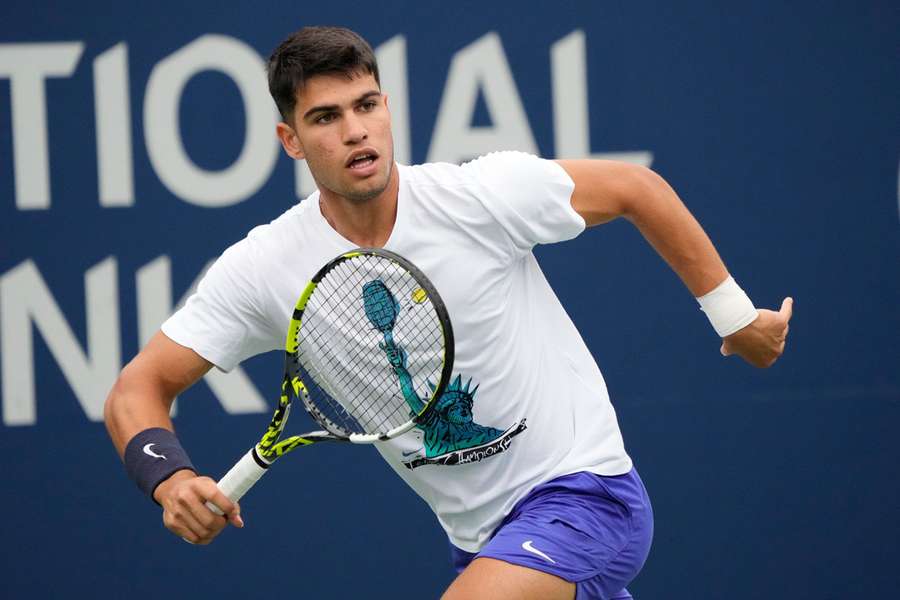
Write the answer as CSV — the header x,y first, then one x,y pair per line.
x,y
326,118
368,105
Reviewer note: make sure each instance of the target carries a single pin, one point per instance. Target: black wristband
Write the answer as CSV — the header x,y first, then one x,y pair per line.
x,y
152,456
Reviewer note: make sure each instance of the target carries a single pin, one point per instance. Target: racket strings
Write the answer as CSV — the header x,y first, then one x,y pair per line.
x,y
364,313
401,411
374,416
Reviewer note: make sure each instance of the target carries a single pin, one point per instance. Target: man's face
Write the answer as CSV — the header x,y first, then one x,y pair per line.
x,y
343,130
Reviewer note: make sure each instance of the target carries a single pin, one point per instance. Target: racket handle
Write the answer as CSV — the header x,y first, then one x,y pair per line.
x,y
239,479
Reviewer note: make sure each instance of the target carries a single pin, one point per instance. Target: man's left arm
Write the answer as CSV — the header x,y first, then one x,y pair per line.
x,y
606,190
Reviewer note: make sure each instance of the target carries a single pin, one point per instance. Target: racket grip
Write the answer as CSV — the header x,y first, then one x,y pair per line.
x,y
238,479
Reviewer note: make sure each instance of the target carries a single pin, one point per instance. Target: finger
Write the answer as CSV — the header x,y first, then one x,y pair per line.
x,y
181,522
205,530
174,525
787,308
191,502
725,350
231,510
210,521
235,519
190,521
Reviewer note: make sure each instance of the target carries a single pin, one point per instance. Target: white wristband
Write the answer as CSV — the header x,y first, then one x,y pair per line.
x,y
728,308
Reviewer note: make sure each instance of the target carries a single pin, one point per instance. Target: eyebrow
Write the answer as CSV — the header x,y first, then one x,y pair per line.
x,y
333,107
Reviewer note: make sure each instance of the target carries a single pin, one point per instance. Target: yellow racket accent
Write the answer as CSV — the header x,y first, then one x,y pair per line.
x,y
299,386
297,318
419,296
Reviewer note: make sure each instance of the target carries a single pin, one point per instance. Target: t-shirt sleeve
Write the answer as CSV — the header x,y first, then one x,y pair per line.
x,y
222,321
529,197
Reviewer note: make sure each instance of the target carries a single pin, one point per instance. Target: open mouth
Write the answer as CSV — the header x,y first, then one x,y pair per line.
x,y
362,160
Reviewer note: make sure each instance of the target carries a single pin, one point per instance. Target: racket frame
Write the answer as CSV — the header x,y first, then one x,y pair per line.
x,y
256,461
292,372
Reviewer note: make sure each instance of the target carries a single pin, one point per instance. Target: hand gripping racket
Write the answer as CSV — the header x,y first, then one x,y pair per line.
x,y
369,350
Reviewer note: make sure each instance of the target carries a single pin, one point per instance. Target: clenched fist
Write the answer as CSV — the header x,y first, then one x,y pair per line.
x,y
183,497
761,342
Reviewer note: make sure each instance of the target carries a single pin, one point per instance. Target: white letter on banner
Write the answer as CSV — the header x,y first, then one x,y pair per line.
x,y
27,66
112,111
163,134
391,56
26,300
235,391
571,124
393,73
480,65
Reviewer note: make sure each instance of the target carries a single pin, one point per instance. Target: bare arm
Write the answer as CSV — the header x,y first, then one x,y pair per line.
x,y
606,190
141,399
143,394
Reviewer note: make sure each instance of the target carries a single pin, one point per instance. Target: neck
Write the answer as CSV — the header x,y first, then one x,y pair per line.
x,y
366,223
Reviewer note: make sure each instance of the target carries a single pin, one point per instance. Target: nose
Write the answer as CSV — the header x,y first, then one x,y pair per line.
x,y
354,129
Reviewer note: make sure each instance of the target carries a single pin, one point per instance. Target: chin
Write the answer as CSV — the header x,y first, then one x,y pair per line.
x,y
365,194
369,189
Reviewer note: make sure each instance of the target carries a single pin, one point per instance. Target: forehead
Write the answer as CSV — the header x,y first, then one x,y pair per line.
x,y
336,89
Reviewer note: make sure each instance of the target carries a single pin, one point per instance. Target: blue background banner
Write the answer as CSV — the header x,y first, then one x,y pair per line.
x,y
137,143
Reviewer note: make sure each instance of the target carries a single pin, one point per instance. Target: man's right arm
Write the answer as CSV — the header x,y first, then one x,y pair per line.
x,y
140,400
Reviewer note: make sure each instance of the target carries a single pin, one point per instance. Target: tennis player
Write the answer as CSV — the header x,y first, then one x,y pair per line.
x,y
523,462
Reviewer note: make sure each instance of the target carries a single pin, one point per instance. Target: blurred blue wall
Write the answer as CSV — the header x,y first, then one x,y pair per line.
x,y
123,132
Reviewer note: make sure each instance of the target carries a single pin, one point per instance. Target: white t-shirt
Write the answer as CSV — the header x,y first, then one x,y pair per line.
x,y
541,408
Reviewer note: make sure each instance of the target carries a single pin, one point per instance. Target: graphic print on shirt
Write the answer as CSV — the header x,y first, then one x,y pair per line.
x,y
450,434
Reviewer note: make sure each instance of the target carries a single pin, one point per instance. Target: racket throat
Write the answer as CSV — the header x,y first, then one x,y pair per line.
x,y
258,458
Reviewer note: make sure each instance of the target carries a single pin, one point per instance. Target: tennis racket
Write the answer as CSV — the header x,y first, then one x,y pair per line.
x,y
368,352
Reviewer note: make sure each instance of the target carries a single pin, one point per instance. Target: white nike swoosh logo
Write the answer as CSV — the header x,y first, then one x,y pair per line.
x,y
150,452
527,546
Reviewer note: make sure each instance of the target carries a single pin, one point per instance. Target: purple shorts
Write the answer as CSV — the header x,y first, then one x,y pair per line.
x,y
592,530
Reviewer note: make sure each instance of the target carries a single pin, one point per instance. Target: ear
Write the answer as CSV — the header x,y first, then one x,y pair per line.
x,y
289,141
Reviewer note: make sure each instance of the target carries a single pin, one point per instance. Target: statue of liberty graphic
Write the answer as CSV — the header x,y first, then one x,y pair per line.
x,y
451,436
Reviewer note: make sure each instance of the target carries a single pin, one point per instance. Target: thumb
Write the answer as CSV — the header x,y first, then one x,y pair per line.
x,y
725,350
787,308
234,517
